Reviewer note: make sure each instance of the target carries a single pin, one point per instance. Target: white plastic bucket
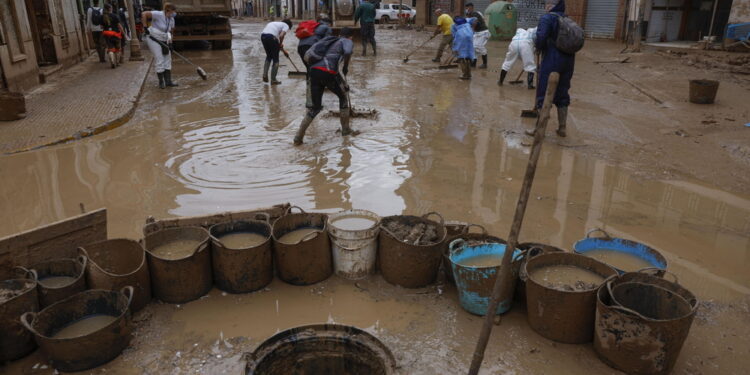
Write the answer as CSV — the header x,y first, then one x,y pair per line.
x,y
354,250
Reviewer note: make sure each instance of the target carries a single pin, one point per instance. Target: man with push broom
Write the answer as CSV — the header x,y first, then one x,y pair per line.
x,y
326,58
444,23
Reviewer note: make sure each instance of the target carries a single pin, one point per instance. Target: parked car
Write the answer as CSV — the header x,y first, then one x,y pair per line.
x,y
385,13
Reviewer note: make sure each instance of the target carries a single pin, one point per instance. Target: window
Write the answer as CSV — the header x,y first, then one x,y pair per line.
x,y
11,32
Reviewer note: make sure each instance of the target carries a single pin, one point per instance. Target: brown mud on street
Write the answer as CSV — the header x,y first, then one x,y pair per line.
x,y
438,144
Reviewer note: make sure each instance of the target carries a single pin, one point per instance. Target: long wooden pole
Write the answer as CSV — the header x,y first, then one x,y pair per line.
x,y
505,283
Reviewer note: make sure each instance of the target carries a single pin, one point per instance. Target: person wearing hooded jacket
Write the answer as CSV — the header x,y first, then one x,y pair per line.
x,y
463,44
553,60
321,31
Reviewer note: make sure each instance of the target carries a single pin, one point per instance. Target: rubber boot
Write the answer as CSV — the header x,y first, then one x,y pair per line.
x,y
530,80
374,48
484,62
503,73
308,94
465,66
265,71
474,63
161,80
121,57
364,48
562,119
274,71
302,129
344,117
168,79
112,60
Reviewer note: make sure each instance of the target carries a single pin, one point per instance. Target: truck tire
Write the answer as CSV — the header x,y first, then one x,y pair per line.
x,y
221,44
384,20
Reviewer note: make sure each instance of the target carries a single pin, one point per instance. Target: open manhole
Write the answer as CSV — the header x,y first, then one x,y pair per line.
x,y
321,349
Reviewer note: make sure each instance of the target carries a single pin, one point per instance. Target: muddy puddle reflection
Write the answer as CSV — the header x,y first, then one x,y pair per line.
x,y
225,144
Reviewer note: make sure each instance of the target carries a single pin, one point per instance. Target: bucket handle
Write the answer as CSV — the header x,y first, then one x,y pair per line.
x,y
468,227
458,242
29,324
129,295
289,210
83,260
600,230
427,216
30,273
265,216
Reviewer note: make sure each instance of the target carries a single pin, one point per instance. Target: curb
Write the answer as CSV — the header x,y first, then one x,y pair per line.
x,y
113,124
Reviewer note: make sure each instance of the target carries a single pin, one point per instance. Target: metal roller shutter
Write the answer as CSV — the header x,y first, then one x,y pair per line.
x,y
480,5
529,12
601,18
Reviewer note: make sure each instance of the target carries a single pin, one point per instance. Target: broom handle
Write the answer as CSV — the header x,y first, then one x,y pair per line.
x,y
503,291
421,45
290,60
173,51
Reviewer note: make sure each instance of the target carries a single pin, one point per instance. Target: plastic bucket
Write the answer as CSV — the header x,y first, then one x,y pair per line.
x,y
475,284
649,256
561,315
530,250
242,270
354,248
469,237
703,91
321,349
116,263
308,261
179,280
407,264
68,274
17,296
642,322
92,349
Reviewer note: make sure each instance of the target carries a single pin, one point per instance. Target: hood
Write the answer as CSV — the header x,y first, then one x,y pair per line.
x,y
560,7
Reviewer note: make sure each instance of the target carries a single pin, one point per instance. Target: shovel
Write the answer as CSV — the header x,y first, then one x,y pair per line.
x,y
295,73
448,64
406,59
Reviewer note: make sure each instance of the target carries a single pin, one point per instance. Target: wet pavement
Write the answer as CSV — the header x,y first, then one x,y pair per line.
x,y
438,145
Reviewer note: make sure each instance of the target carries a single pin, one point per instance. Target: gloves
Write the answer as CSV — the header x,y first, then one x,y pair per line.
x,y
169,38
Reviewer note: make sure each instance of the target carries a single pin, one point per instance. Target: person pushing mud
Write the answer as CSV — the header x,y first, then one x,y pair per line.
x,y
328,59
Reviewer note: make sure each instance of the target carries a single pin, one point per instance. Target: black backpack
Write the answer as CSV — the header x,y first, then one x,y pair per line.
x,y
318,51
570,36
96,17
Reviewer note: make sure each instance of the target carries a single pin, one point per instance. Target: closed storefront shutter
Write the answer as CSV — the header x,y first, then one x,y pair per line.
x,y
529,12
601,18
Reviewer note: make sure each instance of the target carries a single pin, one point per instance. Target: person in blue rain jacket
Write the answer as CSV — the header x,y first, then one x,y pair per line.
x,y
463,44
553,60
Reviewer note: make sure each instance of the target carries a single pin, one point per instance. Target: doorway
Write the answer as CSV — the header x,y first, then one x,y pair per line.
x,y
42,32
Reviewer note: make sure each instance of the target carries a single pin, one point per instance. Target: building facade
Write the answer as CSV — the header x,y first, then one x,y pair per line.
x,y
37,38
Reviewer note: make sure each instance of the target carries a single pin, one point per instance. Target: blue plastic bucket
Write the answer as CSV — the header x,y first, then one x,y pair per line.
x,y
636,249
475,283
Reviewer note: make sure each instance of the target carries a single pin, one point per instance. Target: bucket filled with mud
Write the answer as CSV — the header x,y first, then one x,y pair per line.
x,y
410,249
622,254
302,250
354,242
561,295
475,267
242,257
470,238
642,322
321,349
17,296
116,263
59,279
179,260
83,331
703,91
530,250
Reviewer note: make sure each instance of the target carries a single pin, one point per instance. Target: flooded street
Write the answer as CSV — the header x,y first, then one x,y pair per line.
x,y
438,144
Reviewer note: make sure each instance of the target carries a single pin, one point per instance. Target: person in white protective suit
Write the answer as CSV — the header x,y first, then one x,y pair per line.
x,y
522,45
160,25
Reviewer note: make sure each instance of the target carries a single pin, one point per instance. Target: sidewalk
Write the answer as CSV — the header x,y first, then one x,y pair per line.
x,y
84,100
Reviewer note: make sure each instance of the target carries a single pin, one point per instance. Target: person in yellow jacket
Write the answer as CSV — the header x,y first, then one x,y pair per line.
x,y
444,23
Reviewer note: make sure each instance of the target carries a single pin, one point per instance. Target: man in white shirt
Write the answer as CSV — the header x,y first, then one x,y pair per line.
x,y
94,23
272,38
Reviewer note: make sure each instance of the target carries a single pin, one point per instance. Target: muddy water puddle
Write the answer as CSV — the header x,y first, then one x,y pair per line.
x,y
618,259
225,144
86,325
57,281
242,240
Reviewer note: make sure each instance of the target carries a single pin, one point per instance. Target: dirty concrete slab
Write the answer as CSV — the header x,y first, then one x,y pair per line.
x,y
456,148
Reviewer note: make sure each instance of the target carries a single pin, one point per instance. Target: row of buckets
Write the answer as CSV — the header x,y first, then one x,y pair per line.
x,y
118,276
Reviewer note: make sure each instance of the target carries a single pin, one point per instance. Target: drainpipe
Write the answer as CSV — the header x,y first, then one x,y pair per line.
x,y
713,17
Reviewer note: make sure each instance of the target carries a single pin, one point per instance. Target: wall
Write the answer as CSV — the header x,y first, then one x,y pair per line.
x,y
17,54
740,12
68,35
